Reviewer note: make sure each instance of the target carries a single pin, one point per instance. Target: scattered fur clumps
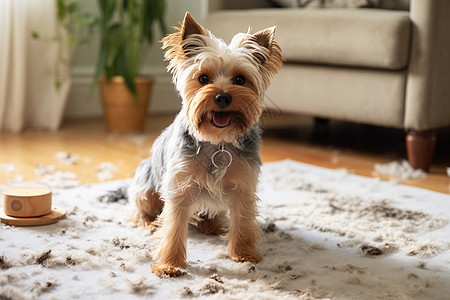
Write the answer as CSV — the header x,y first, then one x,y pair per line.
x,y
213,285
4,264
427,249
273,231
70,261
384,211
210,286
30,289
120,243
352,268
282,268
140,285
422,265
348,268
40,288
56,258
270,228
216,277
378,250
303,295
371,250
118,195
110,259
375,222
41,259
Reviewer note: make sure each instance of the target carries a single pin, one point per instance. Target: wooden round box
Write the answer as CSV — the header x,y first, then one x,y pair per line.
x,y
27,201
29,206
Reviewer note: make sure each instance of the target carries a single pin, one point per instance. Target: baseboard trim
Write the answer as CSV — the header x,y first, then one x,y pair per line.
x,y
164,98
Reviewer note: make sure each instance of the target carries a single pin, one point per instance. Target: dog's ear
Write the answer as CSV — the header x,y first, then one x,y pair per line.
x,y
192,35
262,44
265,38
265,50
190,26
184,40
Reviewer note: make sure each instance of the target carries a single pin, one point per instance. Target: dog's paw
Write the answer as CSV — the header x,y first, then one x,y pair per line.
x,y
252,256
161,270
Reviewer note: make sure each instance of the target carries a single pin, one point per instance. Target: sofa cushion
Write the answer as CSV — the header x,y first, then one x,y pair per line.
x,y
394,4
366,96
371,38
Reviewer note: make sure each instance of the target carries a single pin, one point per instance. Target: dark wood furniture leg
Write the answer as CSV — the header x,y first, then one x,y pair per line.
x,y
321,121
420,148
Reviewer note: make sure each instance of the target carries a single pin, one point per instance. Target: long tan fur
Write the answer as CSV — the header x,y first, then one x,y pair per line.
x,y
181,185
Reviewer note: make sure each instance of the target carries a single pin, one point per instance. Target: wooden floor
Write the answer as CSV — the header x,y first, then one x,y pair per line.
x,y
356,148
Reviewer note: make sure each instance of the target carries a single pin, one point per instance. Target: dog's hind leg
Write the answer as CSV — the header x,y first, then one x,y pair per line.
x,y
145,202
149,208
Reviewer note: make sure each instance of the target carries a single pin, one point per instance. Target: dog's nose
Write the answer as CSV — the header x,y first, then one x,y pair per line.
x,y
222,100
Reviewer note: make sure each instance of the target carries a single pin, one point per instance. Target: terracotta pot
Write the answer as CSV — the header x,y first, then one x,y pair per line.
x,y
122,114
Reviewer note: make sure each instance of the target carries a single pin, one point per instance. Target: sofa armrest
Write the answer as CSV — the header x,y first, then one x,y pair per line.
x,y
237,4
427,103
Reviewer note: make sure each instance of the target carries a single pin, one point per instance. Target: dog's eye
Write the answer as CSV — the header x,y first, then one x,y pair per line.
x,y
203,79
239,80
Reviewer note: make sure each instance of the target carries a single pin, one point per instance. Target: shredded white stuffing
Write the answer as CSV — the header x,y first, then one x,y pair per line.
x,y
66,158
401,169
105,171
323,234
60,179
18,179
8,168
44,169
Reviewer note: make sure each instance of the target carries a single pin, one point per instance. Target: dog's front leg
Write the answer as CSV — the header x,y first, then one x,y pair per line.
x,y
244,231
173,232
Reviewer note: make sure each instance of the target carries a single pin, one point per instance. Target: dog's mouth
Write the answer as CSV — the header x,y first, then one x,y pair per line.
x,y
221,119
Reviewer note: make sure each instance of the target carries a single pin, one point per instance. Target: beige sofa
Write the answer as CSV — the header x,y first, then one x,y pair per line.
x,y
374,66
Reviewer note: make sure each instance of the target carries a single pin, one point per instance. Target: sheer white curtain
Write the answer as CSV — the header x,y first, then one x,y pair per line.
x,y
28,98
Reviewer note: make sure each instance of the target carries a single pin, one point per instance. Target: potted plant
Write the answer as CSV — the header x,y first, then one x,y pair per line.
x,y
125,28
125,34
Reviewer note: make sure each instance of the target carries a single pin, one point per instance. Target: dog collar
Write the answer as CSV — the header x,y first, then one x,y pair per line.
x,y
222,150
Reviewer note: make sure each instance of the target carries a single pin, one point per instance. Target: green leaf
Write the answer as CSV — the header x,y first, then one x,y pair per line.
x,y
71,41
129,81
61,9
99,68
126,27
57,84
35,35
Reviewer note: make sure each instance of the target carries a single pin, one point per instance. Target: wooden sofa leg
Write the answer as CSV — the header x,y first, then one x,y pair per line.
x,y
321,121
420,148
321,127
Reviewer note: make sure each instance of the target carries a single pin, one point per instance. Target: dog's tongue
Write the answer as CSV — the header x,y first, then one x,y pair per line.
x,y
221,118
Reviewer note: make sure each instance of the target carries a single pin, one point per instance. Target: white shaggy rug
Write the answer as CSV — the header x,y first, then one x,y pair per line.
x,y
326,235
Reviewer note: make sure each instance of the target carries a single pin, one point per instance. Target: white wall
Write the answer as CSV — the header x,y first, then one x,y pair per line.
x,y
164,98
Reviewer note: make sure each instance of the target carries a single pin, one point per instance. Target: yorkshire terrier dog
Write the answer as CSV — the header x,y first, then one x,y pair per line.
x,y
204,167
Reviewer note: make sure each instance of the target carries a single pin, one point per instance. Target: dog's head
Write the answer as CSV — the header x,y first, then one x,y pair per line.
x,y
222,85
